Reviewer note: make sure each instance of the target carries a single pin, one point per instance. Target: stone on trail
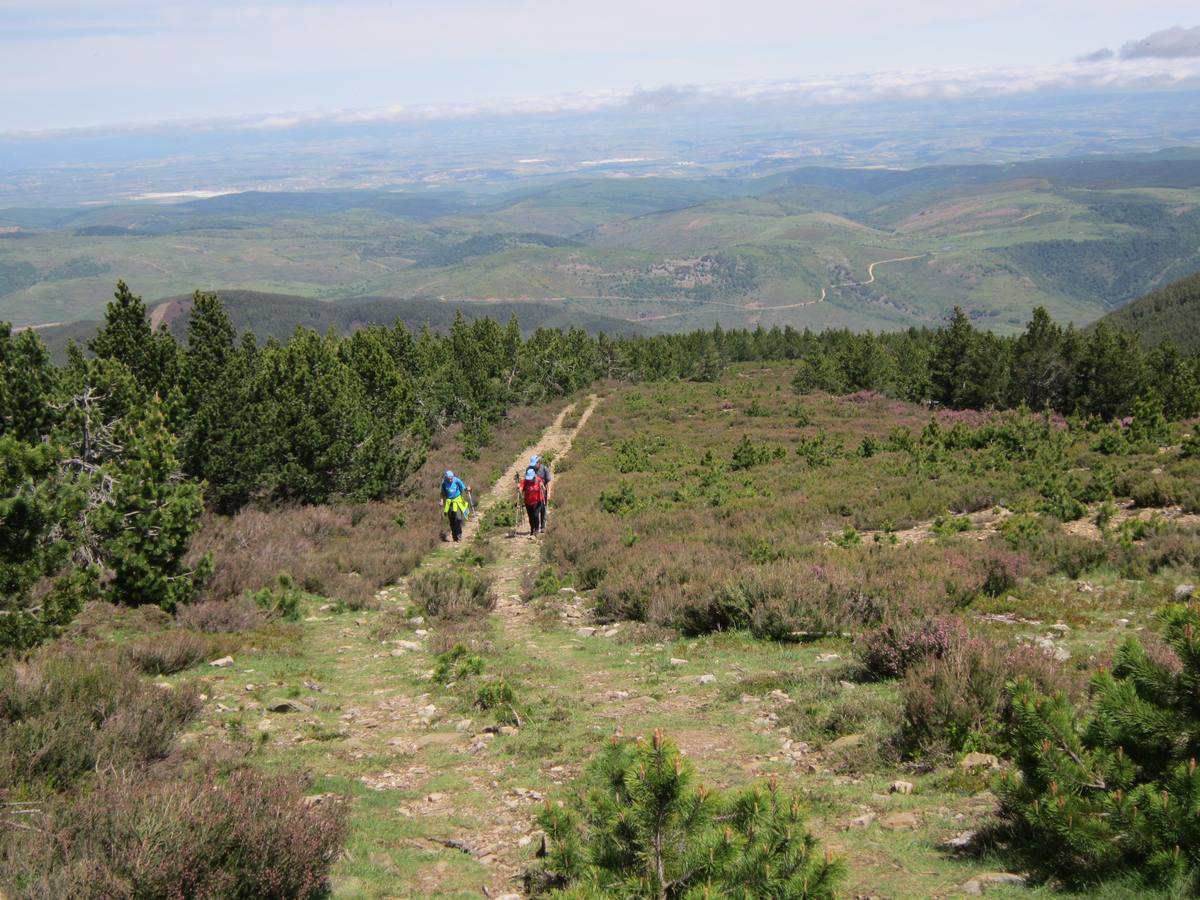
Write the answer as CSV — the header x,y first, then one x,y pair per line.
x,y
979,761
677,662
585,631
1183,591
287,706
223,663
846,741
976,885
862,821
901,821
960,843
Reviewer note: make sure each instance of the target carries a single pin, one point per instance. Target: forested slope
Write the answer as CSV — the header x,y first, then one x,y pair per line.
x,y
1170,313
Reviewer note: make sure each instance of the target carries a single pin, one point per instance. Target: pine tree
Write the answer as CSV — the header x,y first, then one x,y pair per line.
x,y
149,517
1040,372
210,346
126,336
948,366
1117,789
641,827
27,383
40,505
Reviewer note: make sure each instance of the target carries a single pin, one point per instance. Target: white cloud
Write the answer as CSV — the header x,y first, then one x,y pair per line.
x,y
1171,43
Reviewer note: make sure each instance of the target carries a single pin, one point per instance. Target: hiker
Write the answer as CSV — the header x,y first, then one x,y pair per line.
x,y
454,503
531,490
543,470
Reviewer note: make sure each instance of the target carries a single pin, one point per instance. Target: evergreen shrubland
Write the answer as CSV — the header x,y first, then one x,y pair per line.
x,y
107,462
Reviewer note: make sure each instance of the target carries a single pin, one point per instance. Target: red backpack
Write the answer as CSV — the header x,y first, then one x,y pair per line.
x,y
533,489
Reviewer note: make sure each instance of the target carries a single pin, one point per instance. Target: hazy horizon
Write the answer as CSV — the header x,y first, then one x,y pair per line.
x,y
78,64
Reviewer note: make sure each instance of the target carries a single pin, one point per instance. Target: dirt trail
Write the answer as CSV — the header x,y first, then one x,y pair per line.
x,y
519,553
393,718
554,442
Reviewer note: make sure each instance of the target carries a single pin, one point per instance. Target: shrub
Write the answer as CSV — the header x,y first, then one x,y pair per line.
x,y
168,653
818,451
1113,790
248,836
70,711
542,584
1190,448
947,526
453,593
747,454
495,695
221,616
619,501
954,702
639,827
282,601
456,664
848,538
633,455
890,650
958,701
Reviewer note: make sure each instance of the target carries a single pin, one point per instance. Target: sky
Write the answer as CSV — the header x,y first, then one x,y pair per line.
x,y
85,63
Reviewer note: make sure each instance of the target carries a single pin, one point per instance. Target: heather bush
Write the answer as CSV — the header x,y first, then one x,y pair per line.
x,y
958,701
955,702
453,593
167,653
221,616
137,835
639,826
891,650
69,711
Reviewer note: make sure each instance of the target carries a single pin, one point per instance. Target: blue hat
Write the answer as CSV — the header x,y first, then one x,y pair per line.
x,y
449,475
533,460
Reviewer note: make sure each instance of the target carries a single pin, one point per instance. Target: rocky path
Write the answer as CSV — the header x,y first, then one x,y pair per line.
x,y
519,553
486,812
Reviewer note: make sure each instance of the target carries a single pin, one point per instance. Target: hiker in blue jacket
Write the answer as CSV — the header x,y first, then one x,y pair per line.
x,y
455,503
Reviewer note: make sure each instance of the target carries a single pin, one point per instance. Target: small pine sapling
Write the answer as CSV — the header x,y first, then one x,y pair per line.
x,y
641,827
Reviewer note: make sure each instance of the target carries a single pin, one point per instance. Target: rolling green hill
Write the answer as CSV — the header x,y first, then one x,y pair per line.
x,y
815,247
1172,312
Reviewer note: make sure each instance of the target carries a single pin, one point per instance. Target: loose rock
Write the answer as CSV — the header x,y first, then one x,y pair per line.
x,y
846,741
223,663
976,885
979,761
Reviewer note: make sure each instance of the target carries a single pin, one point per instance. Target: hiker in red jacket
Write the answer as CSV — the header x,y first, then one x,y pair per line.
x,y
531,490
